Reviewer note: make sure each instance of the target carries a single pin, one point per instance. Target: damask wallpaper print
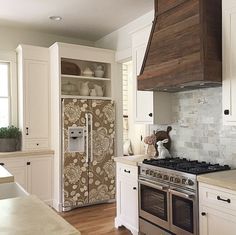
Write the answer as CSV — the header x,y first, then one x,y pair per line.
x,y
92,182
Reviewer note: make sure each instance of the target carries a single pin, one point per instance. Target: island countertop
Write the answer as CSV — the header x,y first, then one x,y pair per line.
x,y
224,179
5,176
29,215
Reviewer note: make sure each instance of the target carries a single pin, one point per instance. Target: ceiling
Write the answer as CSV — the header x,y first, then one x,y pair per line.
x,y
85,19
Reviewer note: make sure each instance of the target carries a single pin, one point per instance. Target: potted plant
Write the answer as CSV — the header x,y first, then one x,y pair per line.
x,y
9,139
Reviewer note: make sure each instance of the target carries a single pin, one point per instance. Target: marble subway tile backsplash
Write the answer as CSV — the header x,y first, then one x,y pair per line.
x,y
198,132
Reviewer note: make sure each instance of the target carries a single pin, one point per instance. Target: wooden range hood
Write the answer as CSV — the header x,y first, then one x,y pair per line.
x,y
184,51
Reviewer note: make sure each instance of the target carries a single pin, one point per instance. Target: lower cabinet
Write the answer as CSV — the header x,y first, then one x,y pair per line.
x,y
217,211
34,174
215,222
127,197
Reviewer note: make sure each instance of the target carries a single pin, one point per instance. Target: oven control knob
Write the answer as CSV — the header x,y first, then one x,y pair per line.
x,y
151,173
159,175
190,182
171,179
166,177
177,180
184,181
147,172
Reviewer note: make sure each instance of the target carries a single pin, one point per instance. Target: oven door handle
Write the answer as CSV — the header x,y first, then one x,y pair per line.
x,y
182,194
156,186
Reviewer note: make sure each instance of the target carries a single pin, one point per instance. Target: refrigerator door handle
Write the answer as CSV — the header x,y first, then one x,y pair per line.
x,y
91,136
87,137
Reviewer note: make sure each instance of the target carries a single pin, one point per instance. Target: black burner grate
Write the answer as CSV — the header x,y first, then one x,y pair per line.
x,y
188,166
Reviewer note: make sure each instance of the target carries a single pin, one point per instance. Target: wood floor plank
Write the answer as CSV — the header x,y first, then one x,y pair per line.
x,y
95,220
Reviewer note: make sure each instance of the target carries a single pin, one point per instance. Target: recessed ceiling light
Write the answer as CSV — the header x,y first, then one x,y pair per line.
x,y
56,18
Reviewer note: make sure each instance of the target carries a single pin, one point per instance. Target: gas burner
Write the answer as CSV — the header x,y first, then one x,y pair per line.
x,y
187,166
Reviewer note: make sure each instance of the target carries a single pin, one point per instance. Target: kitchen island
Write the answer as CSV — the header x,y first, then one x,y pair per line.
x,y
5,176
29,215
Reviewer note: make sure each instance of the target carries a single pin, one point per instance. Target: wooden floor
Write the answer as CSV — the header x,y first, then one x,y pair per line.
x,y
93,220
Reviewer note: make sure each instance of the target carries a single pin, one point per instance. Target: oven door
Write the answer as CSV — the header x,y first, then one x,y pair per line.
x,y
154,203
183,212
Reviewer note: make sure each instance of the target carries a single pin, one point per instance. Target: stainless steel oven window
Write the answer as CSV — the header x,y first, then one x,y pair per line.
x,y
182,213
154,202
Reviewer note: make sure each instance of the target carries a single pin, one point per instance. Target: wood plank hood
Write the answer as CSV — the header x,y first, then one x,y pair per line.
x,y
185,46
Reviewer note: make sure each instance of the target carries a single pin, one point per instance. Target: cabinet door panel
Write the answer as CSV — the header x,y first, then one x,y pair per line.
x,y
229,78
128,200
36,99
216,222
40,177
143,99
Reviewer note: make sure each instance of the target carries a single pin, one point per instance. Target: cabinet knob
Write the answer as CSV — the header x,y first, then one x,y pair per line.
x,y
226,112
27,131
203,213
28,163
127,171
2,164
150,114
37,144
134,188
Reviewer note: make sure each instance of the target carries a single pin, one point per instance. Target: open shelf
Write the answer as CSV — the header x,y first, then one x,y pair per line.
x,y
86,97
85,77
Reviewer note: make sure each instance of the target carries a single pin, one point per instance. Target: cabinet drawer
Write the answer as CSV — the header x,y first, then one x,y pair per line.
x,y
218,198
36,144
127,170
13,162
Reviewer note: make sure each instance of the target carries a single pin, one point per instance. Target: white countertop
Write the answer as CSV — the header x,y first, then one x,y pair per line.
x,y
30,216
224,179
131,160
26,153
5,176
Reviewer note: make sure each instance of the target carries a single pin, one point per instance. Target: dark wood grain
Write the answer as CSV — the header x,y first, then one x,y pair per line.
x,y
95,220
184,45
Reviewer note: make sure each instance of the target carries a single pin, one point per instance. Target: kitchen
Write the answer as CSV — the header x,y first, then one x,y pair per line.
x,y
69,111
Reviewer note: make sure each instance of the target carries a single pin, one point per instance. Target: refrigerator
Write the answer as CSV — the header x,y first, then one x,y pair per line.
x,y
88,168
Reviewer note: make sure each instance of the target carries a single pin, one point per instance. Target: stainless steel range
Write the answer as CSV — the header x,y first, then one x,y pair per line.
x,y
168,195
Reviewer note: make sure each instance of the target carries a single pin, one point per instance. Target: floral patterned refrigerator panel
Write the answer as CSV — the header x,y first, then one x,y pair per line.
x,y
89,177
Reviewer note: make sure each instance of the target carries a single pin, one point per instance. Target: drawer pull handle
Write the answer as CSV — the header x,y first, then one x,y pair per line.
x,y
203,213
224,200
28,163
27,130
2,164
127,171
134,188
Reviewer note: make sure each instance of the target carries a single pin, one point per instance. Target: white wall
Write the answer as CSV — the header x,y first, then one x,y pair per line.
x,y
11,37
121,41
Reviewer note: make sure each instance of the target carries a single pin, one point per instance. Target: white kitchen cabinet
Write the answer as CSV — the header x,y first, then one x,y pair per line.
x,y
229,62
217,210
33,86
149,107
17,167
127,197
39,177
34,174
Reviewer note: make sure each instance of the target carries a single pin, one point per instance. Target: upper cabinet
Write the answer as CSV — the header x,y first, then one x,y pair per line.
x,y
229,64
185,46
149,107
33,84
